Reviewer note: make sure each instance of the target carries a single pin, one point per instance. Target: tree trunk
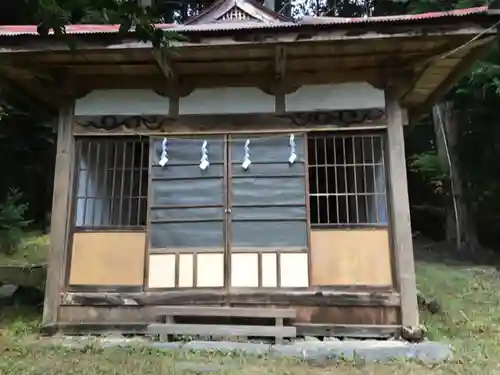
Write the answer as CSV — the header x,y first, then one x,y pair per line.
x,y
460,221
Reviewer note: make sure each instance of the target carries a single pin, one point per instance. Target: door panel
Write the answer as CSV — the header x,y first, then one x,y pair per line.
x,y
187,151
187,234
176,214
268,213
226,226
267,148
267,190
268,234
268,222
198,192
187,215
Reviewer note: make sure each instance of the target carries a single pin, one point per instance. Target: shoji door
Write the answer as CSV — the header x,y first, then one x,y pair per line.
x,y
268,235
187,214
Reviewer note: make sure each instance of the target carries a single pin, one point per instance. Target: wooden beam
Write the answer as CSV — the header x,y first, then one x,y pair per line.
x,y
247,65
224,311
162,62
373,76
152,124
63,186
40,94
400,216
14,93
314,298
280,63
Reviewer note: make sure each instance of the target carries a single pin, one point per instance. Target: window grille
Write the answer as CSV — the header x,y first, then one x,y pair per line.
x,y
347,179
111,183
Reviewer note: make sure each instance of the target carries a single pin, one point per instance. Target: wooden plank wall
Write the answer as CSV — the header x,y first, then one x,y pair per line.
x,y
356,257
108,259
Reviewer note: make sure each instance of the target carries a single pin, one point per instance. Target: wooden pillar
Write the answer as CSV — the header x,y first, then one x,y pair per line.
x,y
60,218
400,218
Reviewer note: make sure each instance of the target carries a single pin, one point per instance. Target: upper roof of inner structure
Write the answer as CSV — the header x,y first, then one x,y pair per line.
x,y
241,43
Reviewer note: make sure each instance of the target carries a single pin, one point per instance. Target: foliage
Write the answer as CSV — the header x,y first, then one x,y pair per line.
x,y
54,15
27,142
32,249
12,222
428,165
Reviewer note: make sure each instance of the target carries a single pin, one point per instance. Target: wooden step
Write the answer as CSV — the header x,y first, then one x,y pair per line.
x,y
170,327
220,311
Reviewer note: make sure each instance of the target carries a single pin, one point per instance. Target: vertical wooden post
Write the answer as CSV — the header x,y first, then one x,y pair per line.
x,y
400,217
60,219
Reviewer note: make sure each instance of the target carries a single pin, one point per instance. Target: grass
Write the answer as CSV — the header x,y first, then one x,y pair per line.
x,y
468,295
33,249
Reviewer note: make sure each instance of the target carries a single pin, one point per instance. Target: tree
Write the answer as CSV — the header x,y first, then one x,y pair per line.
x,y
54,15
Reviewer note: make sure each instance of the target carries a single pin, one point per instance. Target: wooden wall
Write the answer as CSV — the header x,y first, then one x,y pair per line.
x,y
231,100
351,257
100,259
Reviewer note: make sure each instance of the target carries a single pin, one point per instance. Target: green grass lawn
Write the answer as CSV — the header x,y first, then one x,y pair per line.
x,y
470,320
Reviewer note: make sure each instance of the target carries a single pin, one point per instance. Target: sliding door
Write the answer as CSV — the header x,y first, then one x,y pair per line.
x,y
238,222
267,223
187,213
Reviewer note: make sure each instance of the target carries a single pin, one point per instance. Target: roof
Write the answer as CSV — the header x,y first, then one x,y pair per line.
x,y
195,25
236,10
397,18
238,42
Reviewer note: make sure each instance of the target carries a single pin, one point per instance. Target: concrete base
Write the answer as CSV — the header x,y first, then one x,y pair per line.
x,y
332,350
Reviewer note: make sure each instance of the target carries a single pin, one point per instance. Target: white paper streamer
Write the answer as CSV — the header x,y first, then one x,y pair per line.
x,y
163,158
293,155
204,163
246,159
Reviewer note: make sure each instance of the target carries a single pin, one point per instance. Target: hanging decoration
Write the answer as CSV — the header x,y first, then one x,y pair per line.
x,y
204,163
293,155
163,158
246,159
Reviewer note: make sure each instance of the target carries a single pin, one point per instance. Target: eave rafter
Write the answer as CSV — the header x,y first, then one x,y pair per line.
x,y
40,87
457,57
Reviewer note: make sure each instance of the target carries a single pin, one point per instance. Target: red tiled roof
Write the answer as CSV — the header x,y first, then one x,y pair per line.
x,y
245,25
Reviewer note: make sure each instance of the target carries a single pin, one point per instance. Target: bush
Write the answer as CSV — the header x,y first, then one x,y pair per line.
x,y
12,222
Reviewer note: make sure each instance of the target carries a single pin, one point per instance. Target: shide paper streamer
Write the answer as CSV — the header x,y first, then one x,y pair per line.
x,y
293,155
204,163
246,159
163,158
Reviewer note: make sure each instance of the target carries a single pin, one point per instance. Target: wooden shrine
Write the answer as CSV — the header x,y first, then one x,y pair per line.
x,y
254,183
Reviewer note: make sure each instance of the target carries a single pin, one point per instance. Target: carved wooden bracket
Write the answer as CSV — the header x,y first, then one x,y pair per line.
x,y
336,118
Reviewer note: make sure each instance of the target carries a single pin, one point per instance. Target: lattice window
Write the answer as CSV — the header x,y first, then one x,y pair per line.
x,y
235,14
347,179
111,183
